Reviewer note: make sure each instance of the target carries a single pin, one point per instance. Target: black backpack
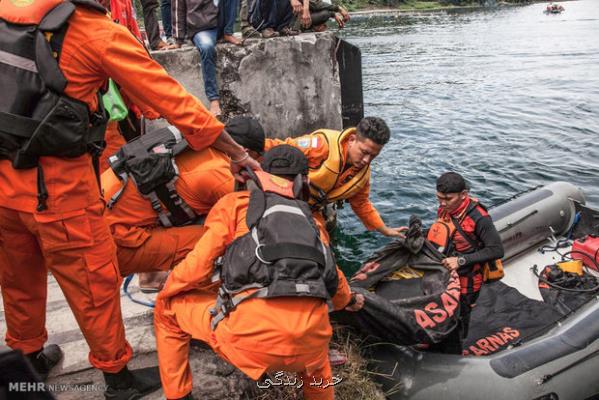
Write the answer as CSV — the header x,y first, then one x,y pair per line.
x,y
36,117
281,256
149,161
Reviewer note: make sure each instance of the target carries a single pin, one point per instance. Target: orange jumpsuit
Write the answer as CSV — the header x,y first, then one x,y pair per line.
x,y
260,335
70,238
316,150
114,141
121,12
143,245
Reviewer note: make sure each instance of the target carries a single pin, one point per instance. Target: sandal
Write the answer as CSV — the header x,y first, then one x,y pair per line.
x,y
287,31
269,33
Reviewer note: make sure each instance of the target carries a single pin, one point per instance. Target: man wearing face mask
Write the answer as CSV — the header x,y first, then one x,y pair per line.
x,y
465,233
339,168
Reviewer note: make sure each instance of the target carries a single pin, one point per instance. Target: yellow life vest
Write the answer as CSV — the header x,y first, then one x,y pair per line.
x,y
324,178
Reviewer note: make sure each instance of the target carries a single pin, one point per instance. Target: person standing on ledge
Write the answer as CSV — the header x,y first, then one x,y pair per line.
x,y
151,25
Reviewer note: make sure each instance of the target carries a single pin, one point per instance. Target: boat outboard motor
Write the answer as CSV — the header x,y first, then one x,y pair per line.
x,y
530,218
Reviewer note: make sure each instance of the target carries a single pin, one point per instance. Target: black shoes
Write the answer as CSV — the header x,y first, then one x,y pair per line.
x,y
45,359
124,385
131,385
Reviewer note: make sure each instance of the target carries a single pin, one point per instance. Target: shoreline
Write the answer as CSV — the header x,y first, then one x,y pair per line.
x,y
381,12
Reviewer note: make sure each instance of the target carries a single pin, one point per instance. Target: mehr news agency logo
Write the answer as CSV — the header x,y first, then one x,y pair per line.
x,y
25,387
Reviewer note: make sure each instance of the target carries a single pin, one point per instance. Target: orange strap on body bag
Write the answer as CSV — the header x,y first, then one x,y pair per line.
x,y
492,270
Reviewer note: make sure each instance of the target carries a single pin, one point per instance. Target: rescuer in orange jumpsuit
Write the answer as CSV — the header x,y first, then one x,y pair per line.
x,y
339,165
261,334
121,12
60,228
204,177
114,141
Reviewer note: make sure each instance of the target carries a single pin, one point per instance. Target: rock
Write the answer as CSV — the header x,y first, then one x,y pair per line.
x,y
215,379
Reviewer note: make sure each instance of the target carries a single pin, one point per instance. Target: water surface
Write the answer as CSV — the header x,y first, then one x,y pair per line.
x,y
507,97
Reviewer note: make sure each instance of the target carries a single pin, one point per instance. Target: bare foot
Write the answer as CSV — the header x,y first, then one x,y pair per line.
x,y
151,282
339,20
162,45
215,108
232,39
344,14
319,28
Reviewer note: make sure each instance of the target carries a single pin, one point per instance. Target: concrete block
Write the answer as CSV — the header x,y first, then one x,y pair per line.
x,y
290,83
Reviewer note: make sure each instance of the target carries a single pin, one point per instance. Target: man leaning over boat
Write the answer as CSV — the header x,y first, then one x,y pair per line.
x,y
339,169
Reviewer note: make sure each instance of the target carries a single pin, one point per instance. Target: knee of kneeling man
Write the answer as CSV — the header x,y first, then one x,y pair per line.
x,y
205,43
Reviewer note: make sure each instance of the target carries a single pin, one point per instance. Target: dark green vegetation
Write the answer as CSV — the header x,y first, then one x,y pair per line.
x,y
415,5
403,5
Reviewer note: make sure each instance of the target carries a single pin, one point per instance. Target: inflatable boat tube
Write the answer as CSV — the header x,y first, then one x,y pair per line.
x,y
530,218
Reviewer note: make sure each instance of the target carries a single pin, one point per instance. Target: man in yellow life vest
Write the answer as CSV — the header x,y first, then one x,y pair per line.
x,y
339,169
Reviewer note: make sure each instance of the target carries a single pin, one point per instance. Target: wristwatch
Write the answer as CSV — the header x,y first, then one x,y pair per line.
x,y
461,261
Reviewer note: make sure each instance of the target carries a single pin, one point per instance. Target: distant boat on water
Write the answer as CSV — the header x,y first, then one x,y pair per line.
x,y
553,8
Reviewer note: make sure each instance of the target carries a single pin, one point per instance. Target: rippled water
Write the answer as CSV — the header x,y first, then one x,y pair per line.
x,y
507,97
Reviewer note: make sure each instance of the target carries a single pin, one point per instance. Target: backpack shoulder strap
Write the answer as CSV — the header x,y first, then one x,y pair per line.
x,y
257,205
48,45
179,212
51,32
94,5
468,238
57,17
180,147
458,228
